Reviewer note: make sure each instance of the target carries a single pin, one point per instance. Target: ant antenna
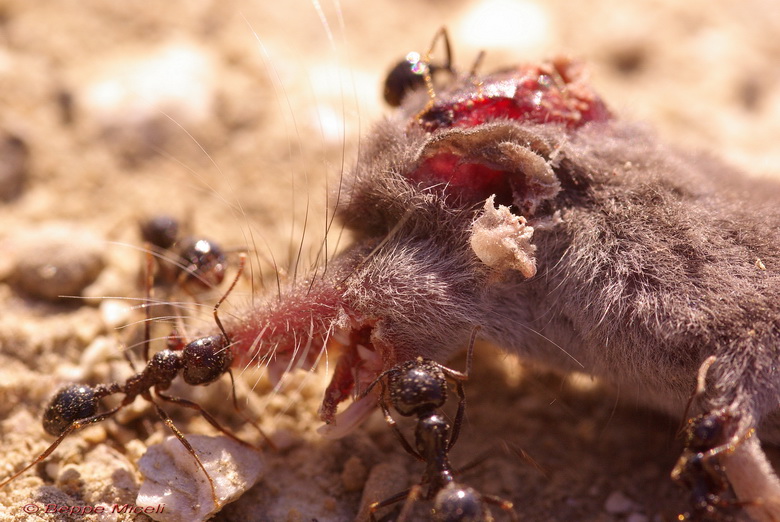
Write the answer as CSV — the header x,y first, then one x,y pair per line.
x,y
701,379
241,267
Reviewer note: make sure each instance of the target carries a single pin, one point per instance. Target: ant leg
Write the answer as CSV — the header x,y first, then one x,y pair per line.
x,y
476,65
376,506
428,68
206,415
394,426
239,272
148,284
214,422
507,505
445,37
730,446
179,435
376,381
426,59
459,377
411,498
75,425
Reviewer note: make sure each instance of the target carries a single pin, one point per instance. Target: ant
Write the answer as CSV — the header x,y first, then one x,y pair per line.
x,y
415,72
200,362
699,468
194,264
419,388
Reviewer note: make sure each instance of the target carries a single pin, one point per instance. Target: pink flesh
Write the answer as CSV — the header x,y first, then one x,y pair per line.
x,y
473,182
552,92
549,93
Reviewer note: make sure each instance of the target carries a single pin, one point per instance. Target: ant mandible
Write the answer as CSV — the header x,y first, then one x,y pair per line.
x,y
419,388
200,362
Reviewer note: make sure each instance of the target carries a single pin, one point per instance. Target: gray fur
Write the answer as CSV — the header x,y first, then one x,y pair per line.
x,y
649,260
652,268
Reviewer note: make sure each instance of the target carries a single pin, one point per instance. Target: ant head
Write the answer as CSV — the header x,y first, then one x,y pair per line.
x,y
456,503
418,386
415,71
72,403
206,360
408,75
706,431
204,261
160,231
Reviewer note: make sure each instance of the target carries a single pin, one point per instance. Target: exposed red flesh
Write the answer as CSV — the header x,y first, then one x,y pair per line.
x,y
554,92
551,92
462,178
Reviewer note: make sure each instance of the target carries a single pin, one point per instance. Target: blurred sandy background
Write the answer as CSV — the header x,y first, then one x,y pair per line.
x,y
231,115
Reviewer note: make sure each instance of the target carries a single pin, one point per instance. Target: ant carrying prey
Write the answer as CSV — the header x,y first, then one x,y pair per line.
x,y
199,362
419,388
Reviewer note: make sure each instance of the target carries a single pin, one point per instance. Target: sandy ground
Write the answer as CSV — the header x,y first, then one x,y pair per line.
x,y
230,115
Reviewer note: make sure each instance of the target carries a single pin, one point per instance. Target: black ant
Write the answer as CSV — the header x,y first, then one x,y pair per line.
x,y
416,71
192,263
419,388
200,362
699,468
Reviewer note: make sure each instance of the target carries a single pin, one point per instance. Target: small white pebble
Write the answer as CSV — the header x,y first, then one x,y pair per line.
x,y
173,479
